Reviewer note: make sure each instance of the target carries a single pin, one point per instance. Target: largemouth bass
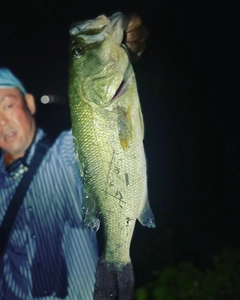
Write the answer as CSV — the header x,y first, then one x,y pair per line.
x,y
108,132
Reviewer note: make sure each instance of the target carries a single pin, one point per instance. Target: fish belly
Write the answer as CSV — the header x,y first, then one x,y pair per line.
x,y
115,187
115,178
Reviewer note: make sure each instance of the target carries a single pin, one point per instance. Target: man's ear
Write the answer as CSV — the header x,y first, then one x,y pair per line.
x,y
30,103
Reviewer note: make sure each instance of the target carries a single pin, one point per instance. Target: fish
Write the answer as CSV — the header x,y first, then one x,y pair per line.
x,y
108,132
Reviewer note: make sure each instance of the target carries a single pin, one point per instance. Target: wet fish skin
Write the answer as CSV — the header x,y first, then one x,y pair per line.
x,y
108,130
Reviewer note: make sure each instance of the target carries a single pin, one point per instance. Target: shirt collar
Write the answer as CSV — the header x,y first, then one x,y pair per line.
x,y
39,135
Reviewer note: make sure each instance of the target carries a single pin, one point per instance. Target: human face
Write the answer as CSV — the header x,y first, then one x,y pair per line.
x,y
17,125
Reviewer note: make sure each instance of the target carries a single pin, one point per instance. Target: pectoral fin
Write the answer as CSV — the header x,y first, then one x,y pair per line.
x,y
124,127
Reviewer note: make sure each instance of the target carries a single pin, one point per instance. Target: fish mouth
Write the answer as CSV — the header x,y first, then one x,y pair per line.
x,y
122,88
124,84
120,91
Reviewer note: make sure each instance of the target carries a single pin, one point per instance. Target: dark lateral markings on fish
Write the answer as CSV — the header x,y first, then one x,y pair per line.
x,y
117,196
126,179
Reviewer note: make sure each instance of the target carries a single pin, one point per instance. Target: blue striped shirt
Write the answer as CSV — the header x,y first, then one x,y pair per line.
x,y
50,254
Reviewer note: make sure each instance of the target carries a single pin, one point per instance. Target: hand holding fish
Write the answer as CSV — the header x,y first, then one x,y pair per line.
x,y
135,37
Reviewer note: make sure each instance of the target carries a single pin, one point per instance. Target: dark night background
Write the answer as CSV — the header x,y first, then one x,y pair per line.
x,y
188,80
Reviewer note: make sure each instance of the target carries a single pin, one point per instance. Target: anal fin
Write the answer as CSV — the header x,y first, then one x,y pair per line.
x,y
90,214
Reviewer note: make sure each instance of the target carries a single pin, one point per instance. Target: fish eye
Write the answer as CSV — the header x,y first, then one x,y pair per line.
x,y
78,51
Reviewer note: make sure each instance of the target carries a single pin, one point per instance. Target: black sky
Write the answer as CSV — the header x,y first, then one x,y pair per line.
x,y
188,81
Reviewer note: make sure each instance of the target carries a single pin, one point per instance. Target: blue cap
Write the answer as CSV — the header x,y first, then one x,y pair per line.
x,y
8,80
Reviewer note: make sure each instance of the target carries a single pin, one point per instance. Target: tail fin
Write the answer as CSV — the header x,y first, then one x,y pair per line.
x,y
113,282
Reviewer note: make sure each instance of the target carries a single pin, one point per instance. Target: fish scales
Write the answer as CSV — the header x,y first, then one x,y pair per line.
x,y
106,167
108,132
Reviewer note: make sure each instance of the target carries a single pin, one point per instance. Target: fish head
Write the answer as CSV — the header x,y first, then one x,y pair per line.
x,y
99,63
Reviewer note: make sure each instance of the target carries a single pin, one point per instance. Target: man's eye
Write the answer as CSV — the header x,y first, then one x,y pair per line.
x,y
9,106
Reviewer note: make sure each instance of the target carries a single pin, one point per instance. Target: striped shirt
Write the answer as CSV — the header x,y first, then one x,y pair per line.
x,y
50,254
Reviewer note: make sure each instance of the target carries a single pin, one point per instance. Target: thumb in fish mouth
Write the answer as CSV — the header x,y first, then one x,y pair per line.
x,y
113,282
